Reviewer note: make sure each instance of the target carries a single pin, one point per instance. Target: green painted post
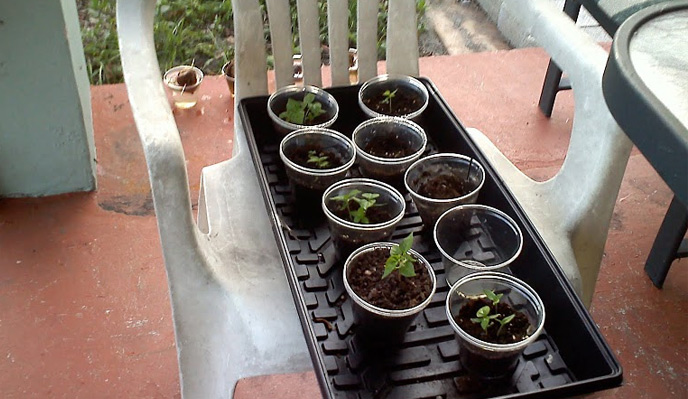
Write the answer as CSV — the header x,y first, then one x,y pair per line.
x,y
46,128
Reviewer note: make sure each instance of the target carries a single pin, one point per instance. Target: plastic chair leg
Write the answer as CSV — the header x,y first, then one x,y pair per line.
x,y
667,243
551,86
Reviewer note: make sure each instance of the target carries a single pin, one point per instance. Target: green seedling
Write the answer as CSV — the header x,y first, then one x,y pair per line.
x,y
301,112
400,259
365,201
495,298
319,159
388,96
486,319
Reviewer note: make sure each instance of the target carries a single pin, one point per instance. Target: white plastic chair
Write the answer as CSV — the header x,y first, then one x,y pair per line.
x,y
233,311
572,210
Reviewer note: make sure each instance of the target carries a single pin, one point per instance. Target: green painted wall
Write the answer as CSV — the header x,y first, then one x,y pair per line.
x,y
46,128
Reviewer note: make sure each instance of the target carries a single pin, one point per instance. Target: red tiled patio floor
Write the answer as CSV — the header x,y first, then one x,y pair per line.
x,y
84,309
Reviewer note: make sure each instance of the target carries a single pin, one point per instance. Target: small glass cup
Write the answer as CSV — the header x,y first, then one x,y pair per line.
x,y
184,96
474,238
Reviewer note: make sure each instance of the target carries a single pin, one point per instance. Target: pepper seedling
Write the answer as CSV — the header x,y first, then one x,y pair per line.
x,y
388,96
319,159
484,317
400,259
303,111
365,201
495,298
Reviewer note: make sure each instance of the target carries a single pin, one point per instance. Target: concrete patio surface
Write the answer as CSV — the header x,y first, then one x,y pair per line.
x,y
84,307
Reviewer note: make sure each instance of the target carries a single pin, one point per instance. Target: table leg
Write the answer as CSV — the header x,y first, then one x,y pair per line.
x,y
553,82
668,244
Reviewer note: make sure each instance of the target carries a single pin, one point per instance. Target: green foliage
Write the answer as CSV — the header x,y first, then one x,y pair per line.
x,y
388,96
185,31
200,30
495,298
320,160
304,111
364,201
486,319
400,259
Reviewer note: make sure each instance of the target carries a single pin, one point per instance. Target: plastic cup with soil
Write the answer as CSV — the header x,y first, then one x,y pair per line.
x,y
442,181
495,316
386,146
228,73
183,80
387,296
393,95
361,211
474,238
295,107
314,159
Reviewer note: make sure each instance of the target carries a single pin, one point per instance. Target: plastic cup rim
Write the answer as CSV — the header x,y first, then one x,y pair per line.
x,y
509,280
391,120
385,77
376,309
313,171
168,79
296,89
444,200
362,226
462,262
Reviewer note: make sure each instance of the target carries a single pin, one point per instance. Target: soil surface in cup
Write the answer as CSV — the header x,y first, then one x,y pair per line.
x,y
313,156
404,102
393,292
389,147
514,331
186,77
444,186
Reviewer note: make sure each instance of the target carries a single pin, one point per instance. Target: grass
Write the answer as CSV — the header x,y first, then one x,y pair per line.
x,y
190,31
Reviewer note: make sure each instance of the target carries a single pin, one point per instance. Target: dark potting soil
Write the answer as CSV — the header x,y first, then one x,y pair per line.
x,y
378,213
389,147
404,102
186,77
444,186
301,155
393,292
514,331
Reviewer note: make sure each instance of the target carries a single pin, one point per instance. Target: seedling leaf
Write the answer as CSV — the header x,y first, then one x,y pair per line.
x,y
365,201
495,298
302,111
400,259
319,159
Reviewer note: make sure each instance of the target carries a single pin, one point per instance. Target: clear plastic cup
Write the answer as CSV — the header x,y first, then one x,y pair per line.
x,y
486,359
184,96
277,103
379,327
311,177
348,235
474,238
447,164
392,130
375,86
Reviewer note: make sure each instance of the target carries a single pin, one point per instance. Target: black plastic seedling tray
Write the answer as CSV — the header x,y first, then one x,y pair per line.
x,y
570,357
